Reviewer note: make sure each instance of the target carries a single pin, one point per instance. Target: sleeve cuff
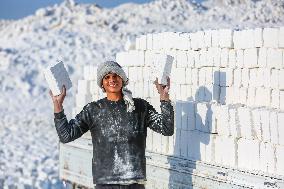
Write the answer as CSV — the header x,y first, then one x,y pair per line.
x,y
59,115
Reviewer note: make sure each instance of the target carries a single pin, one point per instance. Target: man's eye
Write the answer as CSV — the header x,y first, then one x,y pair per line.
x,y
107,77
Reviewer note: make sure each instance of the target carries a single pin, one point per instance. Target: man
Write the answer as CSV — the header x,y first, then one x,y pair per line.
x,y
118,125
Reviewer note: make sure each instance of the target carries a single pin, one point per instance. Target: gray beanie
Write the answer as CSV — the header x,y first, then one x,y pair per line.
x,y
110,67
114,67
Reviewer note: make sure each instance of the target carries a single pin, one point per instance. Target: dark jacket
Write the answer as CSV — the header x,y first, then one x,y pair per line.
x,y
118,136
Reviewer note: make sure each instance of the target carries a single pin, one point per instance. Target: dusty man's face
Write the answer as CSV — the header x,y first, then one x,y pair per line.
x,y
112,83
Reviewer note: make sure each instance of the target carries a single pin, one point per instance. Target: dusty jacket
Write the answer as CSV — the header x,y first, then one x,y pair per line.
x,y
118,136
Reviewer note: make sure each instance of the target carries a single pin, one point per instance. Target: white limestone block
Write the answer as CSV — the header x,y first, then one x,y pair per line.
x,y
84,87
189,108
183,42
193,41
279,152
281,79
171,145
149,140
235,130
250,58
281,37
181,59
140,73
247,38
251,96
191,58
224,57
156,41
162,67
121,58
238,39
143,42
83,99
149,41
227,38
56,76
209,78
262,57
215,38
280,123
197,40
258,40
214,56
270,37
262,75
208,38
275,98
244,117
256,124
267,157
266,74
262,96
157,140
222,120
274,79
264,118
274,58
195,78
149,58
164,144
188,76
243,95
232,58
252,77
230,95
281,100
137,43
225,151
248,154
203,58
274,127
202,76
245,77
240,58
236,95
237,77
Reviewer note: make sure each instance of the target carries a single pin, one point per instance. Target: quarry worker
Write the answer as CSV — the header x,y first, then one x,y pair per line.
x,y
118,124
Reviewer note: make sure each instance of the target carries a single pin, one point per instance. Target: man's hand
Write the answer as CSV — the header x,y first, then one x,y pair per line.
x,y
163,90
58,100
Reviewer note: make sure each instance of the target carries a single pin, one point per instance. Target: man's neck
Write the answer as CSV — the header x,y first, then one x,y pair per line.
x,y
114,96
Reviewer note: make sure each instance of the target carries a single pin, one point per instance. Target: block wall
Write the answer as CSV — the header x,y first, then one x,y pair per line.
x,y
227,88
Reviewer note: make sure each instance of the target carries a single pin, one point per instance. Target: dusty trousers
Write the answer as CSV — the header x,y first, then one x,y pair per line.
x,y
117,186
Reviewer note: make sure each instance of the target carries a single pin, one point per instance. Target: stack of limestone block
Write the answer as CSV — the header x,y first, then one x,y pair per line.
x,y
227,91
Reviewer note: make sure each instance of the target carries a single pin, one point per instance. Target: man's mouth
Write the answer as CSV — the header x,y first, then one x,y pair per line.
x,y
113,85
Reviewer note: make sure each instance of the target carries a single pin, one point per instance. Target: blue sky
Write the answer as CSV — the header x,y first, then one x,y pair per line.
x,y
15,9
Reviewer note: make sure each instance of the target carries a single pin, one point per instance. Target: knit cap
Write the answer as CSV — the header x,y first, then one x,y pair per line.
x,y
113,67
110,67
